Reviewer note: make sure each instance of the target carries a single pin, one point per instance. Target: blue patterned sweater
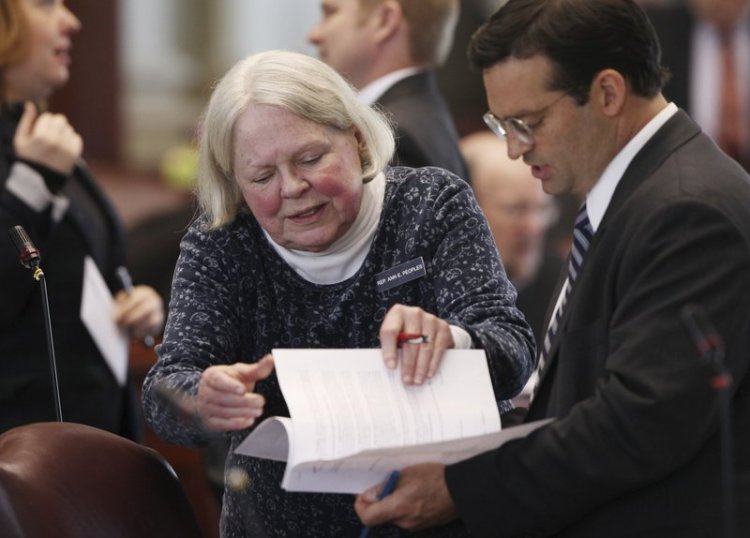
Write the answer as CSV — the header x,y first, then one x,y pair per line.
x,y
234,299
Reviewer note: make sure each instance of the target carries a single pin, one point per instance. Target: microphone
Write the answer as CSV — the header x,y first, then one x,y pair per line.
x,y
710,346
708,342
29,257
28,254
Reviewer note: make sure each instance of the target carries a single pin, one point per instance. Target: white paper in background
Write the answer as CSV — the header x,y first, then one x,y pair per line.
x,y
97,308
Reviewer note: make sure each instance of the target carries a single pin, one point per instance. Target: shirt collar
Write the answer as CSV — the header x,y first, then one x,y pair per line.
x,y
375,89
601,193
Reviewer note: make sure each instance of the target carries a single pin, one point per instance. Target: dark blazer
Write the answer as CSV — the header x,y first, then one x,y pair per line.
x,y
635,450
425,133
89,392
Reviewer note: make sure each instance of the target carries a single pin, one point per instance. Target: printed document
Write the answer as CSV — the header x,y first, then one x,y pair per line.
x,y
353,420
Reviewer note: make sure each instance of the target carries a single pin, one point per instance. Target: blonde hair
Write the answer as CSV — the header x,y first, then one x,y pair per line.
x,y
294,82
432,24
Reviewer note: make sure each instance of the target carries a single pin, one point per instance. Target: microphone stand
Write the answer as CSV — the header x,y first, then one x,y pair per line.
x,y
30,258
710,345
39,277
722,382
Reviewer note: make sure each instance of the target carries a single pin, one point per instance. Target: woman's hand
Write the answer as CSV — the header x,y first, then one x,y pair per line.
x,y
418,361
226,401
47,139
139,311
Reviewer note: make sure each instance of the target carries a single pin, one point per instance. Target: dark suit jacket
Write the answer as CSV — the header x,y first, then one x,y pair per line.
x,y
635,449
425,133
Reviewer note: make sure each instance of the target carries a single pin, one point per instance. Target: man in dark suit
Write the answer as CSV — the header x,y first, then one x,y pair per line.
x,y
696,37
388,50
635,446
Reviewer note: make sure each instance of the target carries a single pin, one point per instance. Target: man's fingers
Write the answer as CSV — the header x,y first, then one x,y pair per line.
x,y
374,512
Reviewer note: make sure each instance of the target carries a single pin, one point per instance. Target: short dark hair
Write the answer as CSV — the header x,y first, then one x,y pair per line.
x,y
579,37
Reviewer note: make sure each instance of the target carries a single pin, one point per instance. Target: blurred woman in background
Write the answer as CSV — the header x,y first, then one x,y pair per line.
x,y
45,188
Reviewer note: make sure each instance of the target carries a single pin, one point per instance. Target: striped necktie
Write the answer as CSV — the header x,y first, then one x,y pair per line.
x,y
582,234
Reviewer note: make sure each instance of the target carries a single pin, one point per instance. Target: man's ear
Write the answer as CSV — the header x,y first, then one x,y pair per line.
x,y
387,19
608,92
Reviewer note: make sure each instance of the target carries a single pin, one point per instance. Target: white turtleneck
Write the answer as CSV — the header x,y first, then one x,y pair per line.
x,y
345,256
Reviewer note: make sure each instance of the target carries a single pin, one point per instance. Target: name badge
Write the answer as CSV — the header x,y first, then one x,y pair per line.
x,y
400,274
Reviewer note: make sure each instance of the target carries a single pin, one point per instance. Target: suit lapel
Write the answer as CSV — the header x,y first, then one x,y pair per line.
x,y
421,83
673,134
111,220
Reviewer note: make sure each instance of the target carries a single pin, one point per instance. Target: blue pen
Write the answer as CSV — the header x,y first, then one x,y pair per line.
x,y
390,485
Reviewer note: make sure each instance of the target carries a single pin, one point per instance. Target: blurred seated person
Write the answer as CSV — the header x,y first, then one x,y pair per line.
x,y
520,214
300,217
45,187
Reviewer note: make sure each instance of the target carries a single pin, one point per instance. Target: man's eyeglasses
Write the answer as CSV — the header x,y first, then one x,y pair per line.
x,y
522,130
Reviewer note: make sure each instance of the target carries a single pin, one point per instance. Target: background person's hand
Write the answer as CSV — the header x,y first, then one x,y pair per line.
x,y
47,139
139,311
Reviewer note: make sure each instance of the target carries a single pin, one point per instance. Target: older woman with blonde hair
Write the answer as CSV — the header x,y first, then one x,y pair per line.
x,y
301,216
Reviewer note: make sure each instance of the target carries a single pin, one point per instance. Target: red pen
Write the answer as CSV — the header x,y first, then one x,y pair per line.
x,y
412,338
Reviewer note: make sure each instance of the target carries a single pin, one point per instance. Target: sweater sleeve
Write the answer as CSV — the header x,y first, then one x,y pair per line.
x,y
472,288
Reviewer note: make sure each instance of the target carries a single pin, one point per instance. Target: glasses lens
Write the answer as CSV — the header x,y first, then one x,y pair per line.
x,y
521,130
494,124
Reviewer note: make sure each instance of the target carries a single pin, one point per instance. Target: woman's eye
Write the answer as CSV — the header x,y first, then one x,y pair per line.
x,y
311,160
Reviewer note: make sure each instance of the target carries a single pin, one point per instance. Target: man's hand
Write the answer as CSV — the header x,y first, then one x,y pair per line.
x,y
420,500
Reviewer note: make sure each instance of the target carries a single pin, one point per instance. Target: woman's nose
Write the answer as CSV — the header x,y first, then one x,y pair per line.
x,y
292,184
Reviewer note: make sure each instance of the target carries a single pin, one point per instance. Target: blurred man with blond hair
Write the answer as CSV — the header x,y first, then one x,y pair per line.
x,y
388,50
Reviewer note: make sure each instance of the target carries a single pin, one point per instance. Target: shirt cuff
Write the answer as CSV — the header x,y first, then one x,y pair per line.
x,y
461,338
28,185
